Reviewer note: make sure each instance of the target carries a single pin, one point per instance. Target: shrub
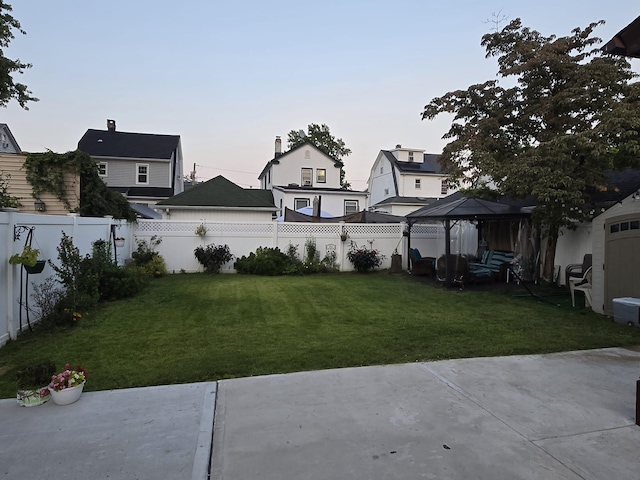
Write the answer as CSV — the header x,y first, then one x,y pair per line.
x,y
147,259
364,259
265,261
212,257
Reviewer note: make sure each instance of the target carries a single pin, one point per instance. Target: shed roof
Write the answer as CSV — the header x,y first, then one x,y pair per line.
x,y
220,192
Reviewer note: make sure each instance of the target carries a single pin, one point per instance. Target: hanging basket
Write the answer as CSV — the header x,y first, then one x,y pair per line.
x,y
37,268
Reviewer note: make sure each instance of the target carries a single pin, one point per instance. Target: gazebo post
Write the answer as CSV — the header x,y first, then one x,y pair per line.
x,y
447,251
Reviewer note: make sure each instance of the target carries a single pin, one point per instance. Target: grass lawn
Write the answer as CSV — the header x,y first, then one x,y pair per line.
x,y
191,328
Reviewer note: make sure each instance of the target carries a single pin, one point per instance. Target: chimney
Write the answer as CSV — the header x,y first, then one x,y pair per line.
x,y
398,146
278,146
111,125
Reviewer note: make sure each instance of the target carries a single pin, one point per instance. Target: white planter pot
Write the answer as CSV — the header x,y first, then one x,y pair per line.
x,y
68,395
119,243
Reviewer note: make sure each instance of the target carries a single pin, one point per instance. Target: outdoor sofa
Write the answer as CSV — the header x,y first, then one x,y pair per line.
x,y
496,262
421,265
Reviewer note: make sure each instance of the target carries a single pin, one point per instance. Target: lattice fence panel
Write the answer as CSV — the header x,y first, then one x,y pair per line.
x,y
308,229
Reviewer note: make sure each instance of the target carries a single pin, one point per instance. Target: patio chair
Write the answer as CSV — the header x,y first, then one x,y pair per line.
x,y
581,285
420,265
577,270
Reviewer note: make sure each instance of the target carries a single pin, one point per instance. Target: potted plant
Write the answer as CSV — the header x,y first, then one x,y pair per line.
x,y
119,241
32,383
201,231
29,259
66,386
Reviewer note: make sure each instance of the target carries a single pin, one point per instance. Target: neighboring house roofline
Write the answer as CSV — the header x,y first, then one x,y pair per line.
x,y
336,191
11,137
136,159
397,200
212,207
275,160
116,144
221,192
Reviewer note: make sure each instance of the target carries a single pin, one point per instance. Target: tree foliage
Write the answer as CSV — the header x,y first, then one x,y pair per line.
x,y
321,137
6,199
46,173
8,88
569,114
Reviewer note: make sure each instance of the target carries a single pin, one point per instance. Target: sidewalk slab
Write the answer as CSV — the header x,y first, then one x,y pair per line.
x,y
137,433
560,416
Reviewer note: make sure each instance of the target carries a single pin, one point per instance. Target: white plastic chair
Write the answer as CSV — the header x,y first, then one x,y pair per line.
x,y
583,285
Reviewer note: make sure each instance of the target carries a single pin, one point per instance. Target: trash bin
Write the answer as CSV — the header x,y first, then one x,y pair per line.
x,y
626,310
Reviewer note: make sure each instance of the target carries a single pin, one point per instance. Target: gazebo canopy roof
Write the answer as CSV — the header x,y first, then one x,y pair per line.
x,y
468,208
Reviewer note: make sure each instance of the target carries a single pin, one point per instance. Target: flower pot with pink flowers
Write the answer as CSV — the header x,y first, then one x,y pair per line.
x,y
66,387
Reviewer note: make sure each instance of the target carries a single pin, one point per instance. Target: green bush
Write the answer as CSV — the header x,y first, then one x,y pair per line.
x,y
212,257
265,261
364,259
147,259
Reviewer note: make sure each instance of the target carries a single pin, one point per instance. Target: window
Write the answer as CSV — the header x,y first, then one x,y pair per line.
x,y
418,183
307,154
321,175
351,206
381,170
444,188
386,191
411,156
143,173
102,169
307,177
299,203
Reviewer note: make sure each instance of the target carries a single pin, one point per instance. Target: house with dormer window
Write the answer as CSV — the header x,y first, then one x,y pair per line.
x,y
403,180
305,174
144,167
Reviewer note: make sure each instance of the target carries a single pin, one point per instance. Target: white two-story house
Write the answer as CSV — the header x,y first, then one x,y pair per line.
x,y
405,179
145,168
304,173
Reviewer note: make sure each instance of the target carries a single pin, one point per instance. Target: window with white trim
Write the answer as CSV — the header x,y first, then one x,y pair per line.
x,y
351,206
321,175
299,203
444,187
418,186
307,177
102,169
142,176
411,156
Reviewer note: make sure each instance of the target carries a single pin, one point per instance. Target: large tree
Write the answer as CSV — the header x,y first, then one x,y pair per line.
x,y
568,114
321,137
8,88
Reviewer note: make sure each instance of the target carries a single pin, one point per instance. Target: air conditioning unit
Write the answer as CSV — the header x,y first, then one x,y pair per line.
x,y
307,183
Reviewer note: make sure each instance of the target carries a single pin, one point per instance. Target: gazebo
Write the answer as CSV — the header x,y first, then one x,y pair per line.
x,y
459,207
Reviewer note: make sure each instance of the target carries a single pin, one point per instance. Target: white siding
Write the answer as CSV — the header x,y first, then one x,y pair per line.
x,y
289,170
572,246
332,202
381,182
211,215
430,185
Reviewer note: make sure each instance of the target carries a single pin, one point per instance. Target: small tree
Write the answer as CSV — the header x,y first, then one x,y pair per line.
x,y
571,115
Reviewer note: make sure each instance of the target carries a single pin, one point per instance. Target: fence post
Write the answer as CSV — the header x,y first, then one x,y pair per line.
x,y
274,236
11,328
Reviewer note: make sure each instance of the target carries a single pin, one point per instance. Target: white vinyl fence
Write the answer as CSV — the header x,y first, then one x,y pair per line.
x,y
178,242
46,234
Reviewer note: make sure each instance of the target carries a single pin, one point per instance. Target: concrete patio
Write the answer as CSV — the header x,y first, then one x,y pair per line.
x,y
558,416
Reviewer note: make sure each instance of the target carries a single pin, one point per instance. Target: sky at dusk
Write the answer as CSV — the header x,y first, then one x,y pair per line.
x,y
230,76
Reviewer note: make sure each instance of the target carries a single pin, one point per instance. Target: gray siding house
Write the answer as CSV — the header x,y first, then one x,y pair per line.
x,y
145,168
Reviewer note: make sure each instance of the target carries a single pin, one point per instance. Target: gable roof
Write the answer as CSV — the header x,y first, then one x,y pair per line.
x,y
104,143
220,192
5,127
430,163
620,184
276,160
